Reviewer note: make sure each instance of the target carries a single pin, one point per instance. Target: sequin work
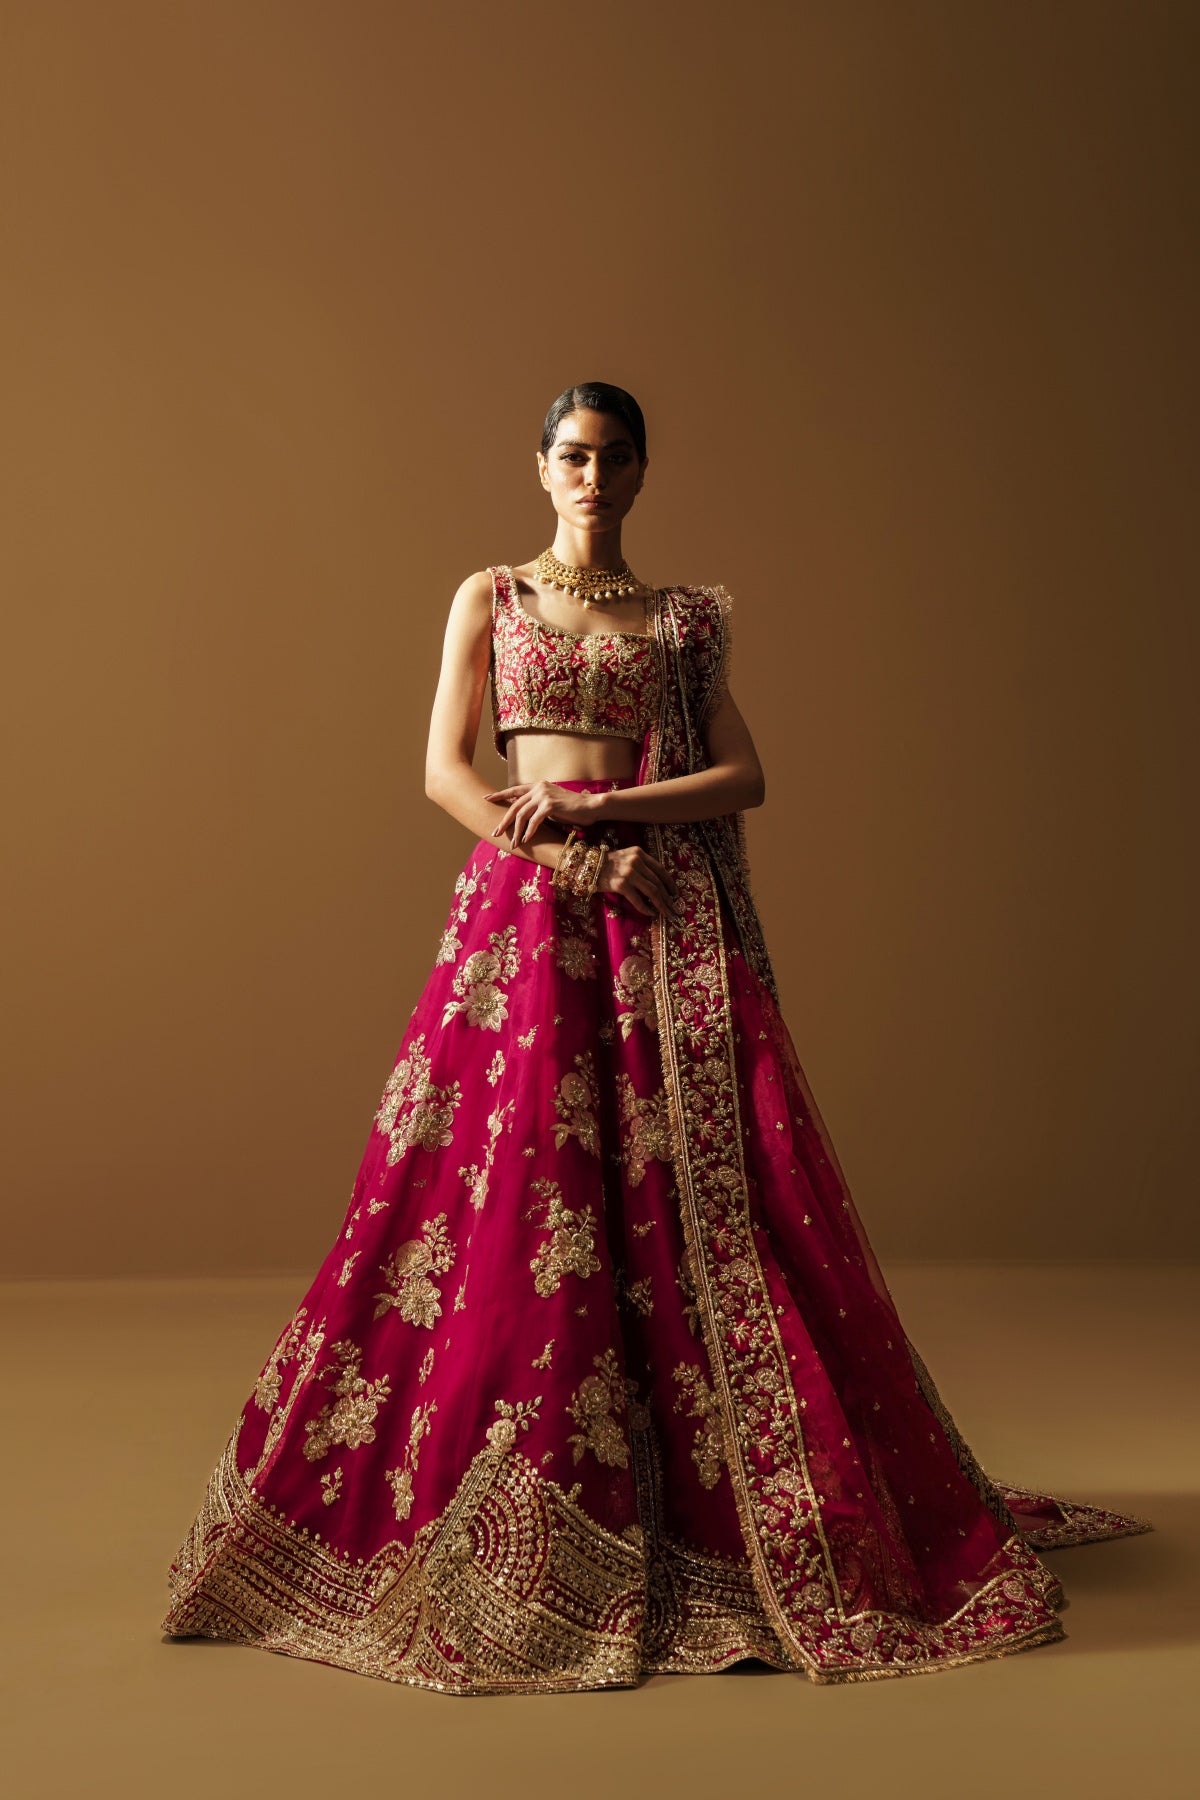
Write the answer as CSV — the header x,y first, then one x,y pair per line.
x,y
600,1376
601,683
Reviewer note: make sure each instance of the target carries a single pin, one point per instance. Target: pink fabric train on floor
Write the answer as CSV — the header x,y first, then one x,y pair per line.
x,y
600,1376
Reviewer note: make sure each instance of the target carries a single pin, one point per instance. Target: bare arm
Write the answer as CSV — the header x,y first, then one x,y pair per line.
x,y
733,782
450,779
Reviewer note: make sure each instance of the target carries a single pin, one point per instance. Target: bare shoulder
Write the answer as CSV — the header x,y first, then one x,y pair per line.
x,y
471,605
474,593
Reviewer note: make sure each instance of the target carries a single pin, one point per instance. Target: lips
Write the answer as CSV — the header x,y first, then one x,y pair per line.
x,y
594,505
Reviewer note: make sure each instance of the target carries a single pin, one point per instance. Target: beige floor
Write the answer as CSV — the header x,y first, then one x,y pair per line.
x,y
119,1395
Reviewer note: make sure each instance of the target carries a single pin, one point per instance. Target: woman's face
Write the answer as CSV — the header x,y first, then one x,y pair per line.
x,y
591,471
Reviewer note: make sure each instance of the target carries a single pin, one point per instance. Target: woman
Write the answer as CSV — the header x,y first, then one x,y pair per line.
x,y
601,1376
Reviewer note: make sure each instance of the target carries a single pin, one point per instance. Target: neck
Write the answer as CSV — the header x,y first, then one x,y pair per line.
x,y
587,549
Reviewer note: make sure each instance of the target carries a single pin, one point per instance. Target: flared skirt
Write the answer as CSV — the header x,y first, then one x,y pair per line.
x,y
487,1452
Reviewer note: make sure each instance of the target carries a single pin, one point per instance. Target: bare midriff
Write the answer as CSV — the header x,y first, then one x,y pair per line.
x,y
569,756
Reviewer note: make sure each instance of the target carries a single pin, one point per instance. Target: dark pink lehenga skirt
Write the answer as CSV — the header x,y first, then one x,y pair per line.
x,y
486,1452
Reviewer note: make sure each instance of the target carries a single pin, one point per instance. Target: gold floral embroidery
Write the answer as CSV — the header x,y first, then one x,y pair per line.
x,y
349,1232
476,1175
413,1109
576,957
502,1433
529,890
571,1249
482,1000
400,1479
466,885
763,1438
270,1382
647,1129
332,1485
708,1447
305,1355
347,1266
526,1038
594,1406
543,1361
350,1418
376,1206
644,1226
459,1571
639,1295
426,1368
460,1299
634,988
449,945
408,1273
575,1101
495,1068
687,1287
445,1612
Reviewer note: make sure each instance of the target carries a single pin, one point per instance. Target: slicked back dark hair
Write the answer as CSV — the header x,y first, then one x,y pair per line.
x,y
602,397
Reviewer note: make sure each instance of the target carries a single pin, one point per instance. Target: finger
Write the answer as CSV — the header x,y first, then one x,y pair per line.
x,y
660,869
502,827
662,901
525,817
540,812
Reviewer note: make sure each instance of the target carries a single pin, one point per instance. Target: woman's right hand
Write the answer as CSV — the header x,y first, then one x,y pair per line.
x,y
638,877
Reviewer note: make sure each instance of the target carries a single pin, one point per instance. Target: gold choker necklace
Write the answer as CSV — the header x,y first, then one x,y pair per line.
x,y
588,585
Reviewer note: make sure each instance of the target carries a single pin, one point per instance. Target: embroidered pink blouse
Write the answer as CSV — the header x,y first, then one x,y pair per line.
x,y
602,683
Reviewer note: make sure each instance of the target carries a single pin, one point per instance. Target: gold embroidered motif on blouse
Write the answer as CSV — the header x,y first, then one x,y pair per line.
x,y
544,678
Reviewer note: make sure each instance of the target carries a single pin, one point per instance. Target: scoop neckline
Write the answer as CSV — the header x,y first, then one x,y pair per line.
x,y
561,630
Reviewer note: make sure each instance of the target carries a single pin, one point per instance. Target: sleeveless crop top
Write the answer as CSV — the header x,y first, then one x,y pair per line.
x,y
602,683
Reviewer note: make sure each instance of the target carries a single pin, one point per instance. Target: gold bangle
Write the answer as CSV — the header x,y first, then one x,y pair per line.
x,y
578,864
575,865
560,877
601,853
588,880
579,869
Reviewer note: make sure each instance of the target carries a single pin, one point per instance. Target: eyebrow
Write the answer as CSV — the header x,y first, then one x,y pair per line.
x,y
578,443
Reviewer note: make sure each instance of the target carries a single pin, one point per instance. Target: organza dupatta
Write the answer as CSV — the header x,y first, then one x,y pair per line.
x,y
878,1544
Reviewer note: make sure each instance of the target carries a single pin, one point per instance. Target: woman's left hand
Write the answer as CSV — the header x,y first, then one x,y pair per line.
x,y
529,802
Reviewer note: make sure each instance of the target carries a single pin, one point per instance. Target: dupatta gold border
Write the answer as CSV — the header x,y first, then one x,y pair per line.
x,y
763,1438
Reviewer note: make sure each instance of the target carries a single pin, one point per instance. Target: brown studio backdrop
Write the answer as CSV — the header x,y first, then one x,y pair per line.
x,y
908,296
